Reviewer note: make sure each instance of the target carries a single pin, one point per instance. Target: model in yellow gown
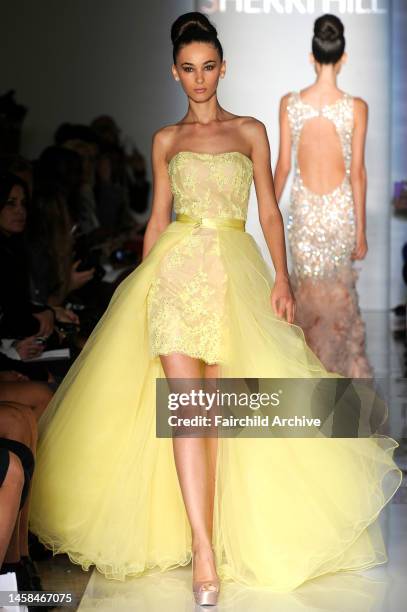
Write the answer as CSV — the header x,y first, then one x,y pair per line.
x,y
105,489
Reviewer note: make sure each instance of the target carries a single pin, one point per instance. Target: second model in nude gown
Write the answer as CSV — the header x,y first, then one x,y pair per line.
x,y
321,232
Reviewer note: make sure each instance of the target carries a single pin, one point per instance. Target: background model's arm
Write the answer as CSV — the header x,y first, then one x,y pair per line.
x,y
283,166
162,197
358,175
271,220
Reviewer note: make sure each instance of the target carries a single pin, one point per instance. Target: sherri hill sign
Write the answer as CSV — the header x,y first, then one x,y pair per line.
x,y
356,7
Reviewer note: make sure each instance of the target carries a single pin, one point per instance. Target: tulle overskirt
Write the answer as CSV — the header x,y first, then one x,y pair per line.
x,y
105,489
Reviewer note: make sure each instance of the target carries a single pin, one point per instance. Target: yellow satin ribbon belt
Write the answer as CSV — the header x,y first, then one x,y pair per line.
x,y
215,222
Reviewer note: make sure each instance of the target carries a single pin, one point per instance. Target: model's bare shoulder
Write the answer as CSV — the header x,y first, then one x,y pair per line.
x,y
284,101
163,140
360,111
253,129
361,105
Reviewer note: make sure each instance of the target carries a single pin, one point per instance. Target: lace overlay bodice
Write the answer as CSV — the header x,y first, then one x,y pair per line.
x,y
211,185
186,300
321,228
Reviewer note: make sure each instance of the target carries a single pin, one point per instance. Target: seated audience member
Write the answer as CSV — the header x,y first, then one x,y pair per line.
x,y
20,317
82,140
18,439
112,203
132,174
50,244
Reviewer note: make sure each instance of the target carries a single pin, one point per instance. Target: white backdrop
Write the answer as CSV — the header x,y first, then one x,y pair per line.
x,y
267,56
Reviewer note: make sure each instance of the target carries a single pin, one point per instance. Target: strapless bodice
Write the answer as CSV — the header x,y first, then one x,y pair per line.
x,y
211,184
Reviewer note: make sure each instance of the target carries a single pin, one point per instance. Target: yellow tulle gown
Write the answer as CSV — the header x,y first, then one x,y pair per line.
x,y
105,489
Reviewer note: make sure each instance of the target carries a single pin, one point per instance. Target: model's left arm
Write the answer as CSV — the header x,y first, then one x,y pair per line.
x,y
358,176
271,221
283,166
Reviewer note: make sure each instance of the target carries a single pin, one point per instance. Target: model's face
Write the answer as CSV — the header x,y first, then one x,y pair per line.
x,y
199,68
13,215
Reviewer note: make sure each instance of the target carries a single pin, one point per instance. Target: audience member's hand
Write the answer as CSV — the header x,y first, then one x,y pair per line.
x,y
12,376
64,315
29,348
46,319
78,279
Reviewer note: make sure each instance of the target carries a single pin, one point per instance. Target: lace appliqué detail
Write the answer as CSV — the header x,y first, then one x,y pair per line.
x,y
211,185
185,304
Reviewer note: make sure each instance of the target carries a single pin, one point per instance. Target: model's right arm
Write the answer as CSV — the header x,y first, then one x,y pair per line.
x,y
283,166
160,216
358,176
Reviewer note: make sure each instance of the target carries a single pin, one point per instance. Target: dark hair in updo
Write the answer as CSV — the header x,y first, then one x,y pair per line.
x,y
193,27
328,43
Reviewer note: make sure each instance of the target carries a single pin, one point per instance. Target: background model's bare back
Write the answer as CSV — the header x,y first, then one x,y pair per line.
x,y
320,157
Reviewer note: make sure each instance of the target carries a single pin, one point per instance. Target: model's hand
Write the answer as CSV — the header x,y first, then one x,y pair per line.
x,y
282,299
360,250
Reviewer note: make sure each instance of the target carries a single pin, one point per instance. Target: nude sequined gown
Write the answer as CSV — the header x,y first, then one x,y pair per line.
x,y
321,234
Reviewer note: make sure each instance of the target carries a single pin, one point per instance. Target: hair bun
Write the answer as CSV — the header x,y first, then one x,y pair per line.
x,y
328,28
189,22
328,42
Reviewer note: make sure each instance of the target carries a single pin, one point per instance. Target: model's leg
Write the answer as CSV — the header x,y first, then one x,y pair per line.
x,y
190,456
211,372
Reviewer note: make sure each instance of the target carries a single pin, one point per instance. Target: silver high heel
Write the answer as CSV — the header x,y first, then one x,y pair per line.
x,y
206,592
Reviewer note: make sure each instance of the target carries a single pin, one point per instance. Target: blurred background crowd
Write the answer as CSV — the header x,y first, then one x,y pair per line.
x,y
70,232
68,235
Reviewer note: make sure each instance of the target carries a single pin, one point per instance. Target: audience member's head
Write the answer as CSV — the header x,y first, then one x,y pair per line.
x,y
20,167
111,164
62,167
83,140
14,199
107,130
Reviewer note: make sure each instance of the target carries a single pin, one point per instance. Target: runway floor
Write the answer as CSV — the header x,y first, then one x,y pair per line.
x,y
381,589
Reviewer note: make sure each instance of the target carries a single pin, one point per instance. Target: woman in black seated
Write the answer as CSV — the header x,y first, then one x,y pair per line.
x,y
20,317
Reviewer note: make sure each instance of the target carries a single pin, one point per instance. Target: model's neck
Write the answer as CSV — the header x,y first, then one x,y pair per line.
x,y
327,76
204,112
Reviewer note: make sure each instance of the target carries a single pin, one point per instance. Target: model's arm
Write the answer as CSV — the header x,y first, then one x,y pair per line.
x,y
271,221
358,175
283,166
162,197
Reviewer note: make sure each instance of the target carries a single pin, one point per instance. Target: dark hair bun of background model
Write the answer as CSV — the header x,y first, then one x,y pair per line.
x,y
193,27
328,43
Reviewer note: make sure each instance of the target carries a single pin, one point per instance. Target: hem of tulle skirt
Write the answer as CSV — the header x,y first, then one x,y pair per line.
x,y
194,355
229,577
105,568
